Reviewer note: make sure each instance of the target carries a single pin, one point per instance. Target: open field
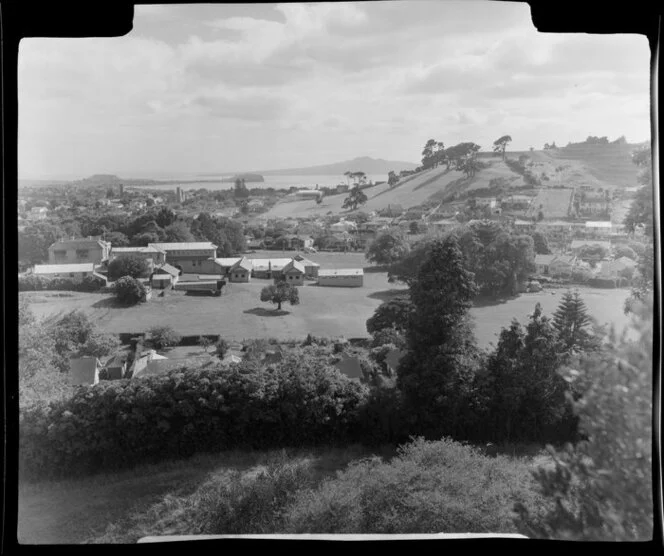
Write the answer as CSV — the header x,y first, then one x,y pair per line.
x,y
239,314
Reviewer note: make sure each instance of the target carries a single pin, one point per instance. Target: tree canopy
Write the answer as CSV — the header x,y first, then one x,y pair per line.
x,y
279,293
387,248
500,144
131,265
356,198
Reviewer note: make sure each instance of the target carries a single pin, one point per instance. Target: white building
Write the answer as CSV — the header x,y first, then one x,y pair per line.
x,y
76,271
342,277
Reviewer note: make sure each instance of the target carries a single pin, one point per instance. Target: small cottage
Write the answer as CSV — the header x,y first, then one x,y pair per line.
x,y
240,271
293,273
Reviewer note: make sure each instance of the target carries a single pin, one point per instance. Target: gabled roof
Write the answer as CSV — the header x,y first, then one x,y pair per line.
x,y
294,265
244,264
168,269
264,264
305,261
151,248
184,246
63,268
564,259
228,261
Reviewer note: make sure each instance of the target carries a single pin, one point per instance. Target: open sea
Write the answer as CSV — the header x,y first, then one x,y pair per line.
x,y
214,181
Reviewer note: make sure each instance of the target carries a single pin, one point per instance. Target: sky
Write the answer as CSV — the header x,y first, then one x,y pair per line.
x,y
238,87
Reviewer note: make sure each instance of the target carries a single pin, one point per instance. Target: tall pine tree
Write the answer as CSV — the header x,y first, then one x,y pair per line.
x,y
435,375
572,321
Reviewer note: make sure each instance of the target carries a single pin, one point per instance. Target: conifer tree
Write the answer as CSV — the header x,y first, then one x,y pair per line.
x,y
571,321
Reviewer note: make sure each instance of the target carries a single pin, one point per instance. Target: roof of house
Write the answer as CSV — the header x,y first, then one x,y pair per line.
x,y
81,369
63,268
577,243
294,265
228,261
341,272
564,259
184,246
162,277
544,259
168,269
151,248
80,242
243,263
598,224
264,264
523,223
554,223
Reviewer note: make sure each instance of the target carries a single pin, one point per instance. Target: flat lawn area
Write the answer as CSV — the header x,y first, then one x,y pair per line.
x,y
238,314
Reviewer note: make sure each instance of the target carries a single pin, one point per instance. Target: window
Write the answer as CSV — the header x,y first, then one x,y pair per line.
x,y
60,254
82,253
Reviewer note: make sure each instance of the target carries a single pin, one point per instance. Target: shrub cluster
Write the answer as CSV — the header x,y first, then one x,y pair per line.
x,y
115,424
33,282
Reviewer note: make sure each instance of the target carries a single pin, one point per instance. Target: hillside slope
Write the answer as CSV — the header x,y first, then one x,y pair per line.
x,y
366,164
598,166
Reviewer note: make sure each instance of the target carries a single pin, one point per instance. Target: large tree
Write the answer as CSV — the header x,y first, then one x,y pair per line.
x,y
435,373
641,211
131,265
541,244
355,198
500,144
128,290
387,248
178,231
572,323
394,313
279,293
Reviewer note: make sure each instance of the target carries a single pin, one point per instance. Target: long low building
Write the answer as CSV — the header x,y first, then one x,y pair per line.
x,y
341,277
188,256
78,271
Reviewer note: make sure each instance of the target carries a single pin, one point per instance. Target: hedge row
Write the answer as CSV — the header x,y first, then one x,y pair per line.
x,y
33,282
116,424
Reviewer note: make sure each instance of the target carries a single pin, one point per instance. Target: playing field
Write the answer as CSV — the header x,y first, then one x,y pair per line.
x,y
239,314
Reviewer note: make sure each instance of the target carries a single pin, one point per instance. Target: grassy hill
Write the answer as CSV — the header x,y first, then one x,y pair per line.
x,y
599,166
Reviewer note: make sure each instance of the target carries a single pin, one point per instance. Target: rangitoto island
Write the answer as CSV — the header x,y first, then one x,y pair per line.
x,y
249,178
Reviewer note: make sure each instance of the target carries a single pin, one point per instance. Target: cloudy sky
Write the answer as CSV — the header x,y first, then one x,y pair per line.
x,y
217,88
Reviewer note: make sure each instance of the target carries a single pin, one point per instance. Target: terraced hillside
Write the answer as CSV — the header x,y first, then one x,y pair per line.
x,y
599,166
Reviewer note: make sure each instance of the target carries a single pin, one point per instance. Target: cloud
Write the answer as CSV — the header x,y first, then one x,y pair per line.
x,y
250,107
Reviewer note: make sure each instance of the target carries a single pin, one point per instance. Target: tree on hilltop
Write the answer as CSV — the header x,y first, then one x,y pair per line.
x,y
500,144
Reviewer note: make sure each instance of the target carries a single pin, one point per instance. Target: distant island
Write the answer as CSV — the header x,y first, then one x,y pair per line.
x,y
366,164
248,178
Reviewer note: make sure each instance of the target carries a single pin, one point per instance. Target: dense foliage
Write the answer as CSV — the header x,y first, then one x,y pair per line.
x,y
163,336
602,487
129,290
387,248
299,401
33,282
394,313
132,265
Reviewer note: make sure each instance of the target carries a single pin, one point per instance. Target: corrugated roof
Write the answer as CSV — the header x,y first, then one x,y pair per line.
x,y
169,269
264,264
341,272
63,268
243,263
183,246
544,259
228,261
80,242
576,243
297,265
149,249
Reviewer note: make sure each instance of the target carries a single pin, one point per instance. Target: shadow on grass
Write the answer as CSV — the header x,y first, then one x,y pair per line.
x,y
388,295
262,312
111,303
490,301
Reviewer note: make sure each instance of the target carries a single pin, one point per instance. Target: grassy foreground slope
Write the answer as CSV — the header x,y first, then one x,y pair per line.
x,y
429,487
600,166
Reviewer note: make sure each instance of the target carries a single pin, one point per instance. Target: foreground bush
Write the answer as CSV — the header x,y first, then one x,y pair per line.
x,y
33,282
431,487
111,425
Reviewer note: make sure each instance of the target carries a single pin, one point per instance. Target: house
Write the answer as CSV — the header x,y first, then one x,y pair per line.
x,y
75,271
84,371
268,268
591,203
161,281
618,268
293,273
562,266
341,277
598,229
141,362
38,213
220,266
343,226
152,254
445,225
189,256
578,245
82,250
241,271
490,202
542,263
116,367
525,226
310,267
301,242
